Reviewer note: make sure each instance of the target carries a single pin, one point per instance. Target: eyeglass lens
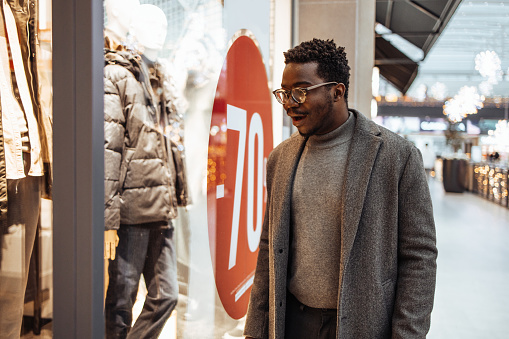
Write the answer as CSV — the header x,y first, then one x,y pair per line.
x,y
298,94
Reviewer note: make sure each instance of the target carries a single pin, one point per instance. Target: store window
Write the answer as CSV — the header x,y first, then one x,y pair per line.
x,y
162,59
188,129
25,168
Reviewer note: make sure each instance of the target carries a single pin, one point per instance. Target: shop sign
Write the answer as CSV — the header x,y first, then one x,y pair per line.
x,y
239,143
433,125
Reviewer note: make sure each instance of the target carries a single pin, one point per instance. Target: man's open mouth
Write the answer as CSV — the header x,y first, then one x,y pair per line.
x,y
297,118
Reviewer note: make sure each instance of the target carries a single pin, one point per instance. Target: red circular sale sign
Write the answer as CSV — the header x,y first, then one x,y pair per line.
x,y
239,143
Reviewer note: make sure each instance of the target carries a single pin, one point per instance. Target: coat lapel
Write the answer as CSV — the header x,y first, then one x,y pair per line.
x,y
362,155
282,185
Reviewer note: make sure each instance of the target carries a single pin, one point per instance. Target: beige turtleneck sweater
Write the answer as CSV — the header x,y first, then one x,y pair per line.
x,y
316,226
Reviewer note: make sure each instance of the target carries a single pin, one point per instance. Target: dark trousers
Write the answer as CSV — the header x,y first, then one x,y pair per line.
x,y
304,322
151,252
23,205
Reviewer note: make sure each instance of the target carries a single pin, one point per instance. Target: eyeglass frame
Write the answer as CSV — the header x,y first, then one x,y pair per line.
x,y
289,93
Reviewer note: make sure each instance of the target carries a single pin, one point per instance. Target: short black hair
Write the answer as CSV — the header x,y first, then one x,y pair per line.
x,y
331,60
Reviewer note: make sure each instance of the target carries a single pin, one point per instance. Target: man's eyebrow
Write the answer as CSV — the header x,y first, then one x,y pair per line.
x,y
297,84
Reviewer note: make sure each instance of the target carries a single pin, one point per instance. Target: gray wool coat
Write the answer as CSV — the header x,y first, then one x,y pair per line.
x,y
388,245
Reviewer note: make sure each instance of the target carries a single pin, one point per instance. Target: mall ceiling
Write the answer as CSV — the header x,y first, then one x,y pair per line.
x,y
419,22
448,35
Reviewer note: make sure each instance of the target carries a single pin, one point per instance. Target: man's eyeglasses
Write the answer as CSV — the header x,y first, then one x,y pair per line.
x,y
298,94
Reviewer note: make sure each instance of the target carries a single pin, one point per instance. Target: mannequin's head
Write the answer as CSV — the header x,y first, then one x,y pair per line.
x,y
120,14
149,28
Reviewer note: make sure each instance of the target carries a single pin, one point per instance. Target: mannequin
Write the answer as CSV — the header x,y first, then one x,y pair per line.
x,y
140,200
149,30
120,14
24,161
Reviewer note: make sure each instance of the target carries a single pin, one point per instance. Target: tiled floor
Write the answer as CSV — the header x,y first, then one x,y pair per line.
x,y
472,295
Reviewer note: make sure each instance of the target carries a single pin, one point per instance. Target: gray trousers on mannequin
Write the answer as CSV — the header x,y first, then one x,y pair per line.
x,y
17,243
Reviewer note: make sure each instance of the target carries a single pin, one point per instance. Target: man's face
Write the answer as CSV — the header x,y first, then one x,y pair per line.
x,y
315,115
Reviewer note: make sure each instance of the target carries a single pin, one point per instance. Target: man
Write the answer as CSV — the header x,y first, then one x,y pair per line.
x,y
348,242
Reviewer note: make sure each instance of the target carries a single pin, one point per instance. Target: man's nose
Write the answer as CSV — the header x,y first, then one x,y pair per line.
x,y
290,103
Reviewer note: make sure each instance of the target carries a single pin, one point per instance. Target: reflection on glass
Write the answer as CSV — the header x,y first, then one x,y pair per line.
x,y
25,167
161,74
145,177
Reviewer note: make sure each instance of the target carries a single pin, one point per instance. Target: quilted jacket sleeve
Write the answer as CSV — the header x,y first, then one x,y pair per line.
x,y
114,131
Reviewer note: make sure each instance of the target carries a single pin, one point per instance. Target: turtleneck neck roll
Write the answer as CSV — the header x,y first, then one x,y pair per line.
x,y
338,136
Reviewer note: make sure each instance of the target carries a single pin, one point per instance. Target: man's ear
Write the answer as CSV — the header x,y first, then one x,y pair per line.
x,y
339,91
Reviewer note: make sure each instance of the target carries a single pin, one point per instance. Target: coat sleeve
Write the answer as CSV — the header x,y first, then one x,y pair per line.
x,y
417,253
257,321
114,131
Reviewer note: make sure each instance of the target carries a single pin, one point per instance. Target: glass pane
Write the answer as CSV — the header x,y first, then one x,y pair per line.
x,y
146,179
168,154
25,169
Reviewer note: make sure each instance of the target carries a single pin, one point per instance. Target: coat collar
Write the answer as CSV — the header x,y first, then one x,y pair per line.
x,y
283,184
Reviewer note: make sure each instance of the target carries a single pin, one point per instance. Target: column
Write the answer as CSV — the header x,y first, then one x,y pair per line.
x,y
351,23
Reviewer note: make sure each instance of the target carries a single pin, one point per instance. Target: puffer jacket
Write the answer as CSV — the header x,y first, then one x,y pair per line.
x,y
25,16
139,168
170,104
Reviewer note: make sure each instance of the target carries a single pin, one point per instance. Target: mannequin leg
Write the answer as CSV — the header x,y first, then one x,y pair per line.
x,y
22,215
160,274
124,277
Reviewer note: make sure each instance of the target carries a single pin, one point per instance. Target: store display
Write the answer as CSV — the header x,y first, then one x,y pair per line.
x,y
144,176
491,181
25,174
